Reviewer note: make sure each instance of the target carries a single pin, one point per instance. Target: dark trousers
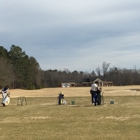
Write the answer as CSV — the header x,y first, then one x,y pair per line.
x,y
93,97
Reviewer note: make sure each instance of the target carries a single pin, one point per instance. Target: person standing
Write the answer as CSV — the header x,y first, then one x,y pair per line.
x,y
93,91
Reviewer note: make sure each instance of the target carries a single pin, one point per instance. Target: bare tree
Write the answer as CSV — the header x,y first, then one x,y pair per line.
x,y
98,70
105,66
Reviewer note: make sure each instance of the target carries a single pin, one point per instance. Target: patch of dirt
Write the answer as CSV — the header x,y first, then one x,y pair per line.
x,y
123,118
19,120
40,118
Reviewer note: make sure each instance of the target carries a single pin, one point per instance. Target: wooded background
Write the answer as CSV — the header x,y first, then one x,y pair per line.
x,y
18,70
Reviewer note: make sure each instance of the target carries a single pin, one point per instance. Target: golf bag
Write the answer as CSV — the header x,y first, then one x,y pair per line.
x,y
99,97
5,98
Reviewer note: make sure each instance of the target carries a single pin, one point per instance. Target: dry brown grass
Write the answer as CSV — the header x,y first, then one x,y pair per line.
x,y
43,119
76,91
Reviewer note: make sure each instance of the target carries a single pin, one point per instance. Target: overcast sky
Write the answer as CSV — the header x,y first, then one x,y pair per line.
x,y
73,34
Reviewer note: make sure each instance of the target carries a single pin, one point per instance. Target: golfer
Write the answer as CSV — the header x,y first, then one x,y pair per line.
x,y
93,92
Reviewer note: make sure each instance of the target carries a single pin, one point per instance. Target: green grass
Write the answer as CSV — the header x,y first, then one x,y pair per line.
x,y
43,119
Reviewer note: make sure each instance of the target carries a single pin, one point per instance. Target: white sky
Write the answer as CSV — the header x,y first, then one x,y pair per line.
x,y
73,34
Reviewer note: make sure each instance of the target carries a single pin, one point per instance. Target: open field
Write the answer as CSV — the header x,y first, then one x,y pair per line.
x,y
77,91
43,119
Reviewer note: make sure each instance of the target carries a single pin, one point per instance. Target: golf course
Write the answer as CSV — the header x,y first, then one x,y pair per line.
x,y
41,118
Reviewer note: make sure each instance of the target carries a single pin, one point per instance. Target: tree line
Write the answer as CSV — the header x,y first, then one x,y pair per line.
x,y
18,70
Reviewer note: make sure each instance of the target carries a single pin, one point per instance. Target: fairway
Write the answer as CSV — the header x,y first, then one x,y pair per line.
x,y
43,119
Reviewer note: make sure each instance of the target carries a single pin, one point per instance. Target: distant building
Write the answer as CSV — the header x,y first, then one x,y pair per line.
x,y
104,83
85,84
67,84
